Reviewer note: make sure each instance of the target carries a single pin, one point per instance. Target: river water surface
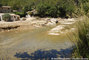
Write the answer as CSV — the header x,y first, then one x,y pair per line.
x,y
15,43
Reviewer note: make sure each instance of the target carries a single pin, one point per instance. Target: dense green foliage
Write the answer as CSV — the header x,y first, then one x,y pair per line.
x,y
6,17
51,8
21,14
0,5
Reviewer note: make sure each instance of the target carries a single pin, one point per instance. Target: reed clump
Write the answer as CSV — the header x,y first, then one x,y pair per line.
x,y
82,46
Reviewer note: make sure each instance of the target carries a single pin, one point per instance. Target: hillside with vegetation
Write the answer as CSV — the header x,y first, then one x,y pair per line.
x,y
51,8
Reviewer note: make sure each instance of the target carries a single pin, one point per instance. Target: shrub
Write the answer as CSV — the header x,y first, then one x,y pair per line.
x,y
52,12
42,9
6,17
22,14
0,5
47,10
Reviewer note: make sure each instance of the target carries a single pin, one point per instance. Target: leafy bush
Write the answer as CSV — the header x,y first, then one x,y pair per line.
x,y
6,17
22,14
0,5
53,12
47,10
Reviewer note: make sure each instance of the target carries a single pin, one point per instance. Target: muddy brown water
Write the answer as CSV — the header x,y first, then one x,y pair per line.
x,y
30,41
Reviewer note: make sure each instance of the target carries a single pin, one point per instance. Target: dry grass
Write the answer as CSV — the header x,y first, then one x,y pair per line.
x,y
82,46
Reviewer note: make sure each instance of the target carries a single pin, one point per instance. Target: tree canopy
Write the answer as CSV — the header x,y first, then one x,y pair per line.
x,y
52,8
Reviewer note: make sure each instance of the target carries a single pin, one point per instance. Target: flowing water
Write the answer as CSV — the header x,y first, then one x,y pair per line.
x,y
30,41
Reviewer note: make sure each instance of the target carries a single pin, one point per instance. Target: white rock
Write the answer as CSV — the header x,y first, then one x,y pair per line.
x,y
51,24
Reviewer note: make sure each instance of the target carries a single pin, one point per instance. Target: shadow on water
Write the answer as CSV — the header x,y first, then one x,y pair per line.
x,y
46,55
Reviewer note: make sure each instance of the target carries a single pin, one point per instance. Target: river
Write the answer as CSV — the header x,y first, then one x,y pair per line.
x,y
35,44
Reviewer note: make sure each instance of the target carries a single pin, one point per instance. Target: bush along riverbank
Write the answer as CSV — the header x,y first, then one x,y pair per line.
x,y
82,46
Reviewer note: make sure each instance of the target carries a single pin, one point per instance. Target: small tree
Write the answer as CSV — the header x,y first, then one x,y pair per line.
x,y
6,17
